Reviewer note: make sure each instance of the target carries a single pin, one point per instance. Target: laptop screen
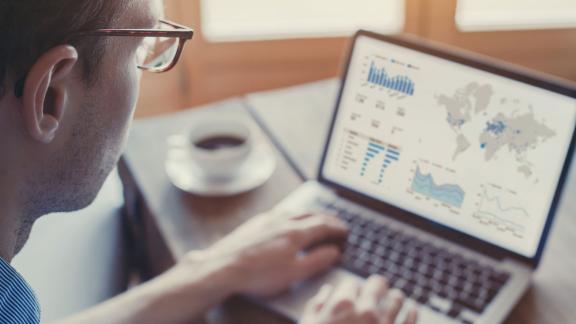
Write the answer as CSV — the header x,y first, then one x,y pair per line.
x,y
471,150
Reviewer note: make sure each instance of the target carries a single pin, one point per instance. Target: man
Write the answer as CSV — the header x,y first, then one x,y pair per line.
x,y
67,96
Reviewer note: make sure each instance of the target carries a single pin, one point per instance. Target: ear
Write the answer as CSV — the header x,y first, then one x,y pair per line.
x,y
45,92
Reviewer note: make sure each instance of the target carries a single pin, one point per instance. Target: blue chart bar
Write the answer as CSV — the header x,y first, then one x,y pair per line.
x,y
376,146
450,194
378,157
399,83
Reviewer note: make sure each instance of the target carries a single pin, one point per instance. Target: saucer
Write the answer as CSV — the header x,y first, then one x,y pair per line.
x,y
187,176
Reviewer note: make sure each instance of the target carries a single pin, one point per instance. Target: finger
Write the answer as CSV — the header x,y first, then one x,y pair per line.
x,y
375,289
373,292
411,316
317,302
324,212
319,228
315,261
301,216
393,305
343,299
309,220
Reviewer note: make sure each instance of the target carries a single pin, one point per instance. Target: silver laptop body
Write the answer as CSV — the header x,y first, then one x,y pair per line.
x,y
449,169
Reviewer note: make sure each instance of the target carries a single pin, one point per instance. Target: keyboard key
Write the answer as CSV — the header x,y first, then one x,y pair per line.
x,y
395,256
436,287
381,251
499,277
468,317
454,311
366,245
423,298
432,275
470,303
440,304
373,270
354,239
408,289
399,283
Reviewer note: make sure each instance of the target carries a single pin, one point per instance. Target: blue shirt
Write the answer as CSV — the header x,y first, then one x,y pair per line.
x,y
18,304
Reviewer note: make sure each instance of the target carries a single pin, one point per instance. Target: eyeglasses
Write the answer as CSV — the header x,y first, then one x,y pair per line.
x,y
160,48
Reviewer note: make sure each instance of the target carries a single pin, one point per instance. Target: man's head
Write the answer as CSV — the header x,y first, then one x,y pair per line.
x,y
65,103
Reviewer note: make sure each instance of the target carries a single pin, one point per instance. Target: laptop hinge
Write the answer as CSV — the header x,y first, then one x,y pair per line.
x,y
426,225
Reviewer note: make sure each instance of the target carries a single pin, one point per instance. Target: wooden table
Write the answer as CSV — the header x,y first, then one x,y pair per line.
x,y
165,223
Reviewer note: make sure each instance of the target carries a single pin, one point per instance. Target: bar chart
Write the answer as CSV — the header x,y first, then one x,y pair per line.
x,y
379,76
367,157
378,157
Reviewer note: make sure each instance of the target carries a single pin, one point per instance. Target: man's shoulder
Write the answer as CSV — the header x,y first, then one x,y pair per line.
x,y
18,304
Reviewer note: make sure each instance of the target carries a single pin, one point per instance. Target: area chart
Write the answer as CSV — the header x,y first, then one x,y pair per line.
x,y
449,194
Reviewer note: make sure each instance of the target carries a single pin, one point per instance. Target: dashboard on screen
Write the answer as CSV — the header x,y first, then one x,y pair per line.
x,y
474,151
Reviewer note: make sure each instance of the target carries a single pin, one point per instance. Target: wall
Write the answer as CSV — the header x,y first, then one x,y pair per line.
x,y
214,71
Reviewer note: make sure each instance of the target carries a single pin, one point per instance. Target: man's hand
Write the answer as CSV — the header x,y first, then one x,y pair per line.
x,y
261,258
269,253
371,303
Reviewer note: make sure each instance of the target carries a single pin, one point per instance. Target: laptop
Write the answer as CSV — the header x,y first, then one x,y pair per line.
x,y
448,168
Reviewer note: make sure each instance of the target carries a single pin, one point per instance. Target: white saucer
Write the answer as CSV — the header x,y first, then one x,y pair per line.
x,y
187,176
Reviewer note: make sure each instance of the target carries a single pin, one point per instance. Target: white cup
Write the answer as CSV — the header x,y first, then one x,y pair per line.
x,y
219,148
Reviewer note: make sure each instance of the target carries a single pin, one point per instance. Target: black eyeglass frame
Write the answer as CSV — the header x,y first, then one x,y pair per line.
x,y
181,32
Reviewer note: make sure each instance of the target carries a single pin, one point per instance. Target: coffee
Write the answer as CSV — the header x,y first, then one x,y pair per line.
x,y
218,142
219,147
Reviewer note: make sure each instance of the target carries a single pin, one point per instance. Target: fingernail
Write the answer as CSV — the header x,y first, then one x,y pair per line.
x,y
398,294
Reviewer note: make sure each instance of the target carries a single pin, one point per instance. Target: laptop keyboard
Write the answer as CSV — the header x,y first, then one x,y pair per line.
x,y
429,274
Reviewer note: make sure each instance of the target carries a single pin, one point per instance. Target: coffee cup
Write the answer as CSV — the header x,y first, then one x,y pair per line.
x,y
219,148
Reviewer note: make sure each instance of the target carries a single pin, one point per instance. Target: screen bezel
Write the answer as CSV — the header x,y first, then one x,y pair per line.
x,y
481,63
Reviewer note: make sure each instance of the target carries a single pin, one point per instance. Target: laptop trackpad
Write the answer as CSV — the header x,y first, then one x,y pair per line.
x,y
292,304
